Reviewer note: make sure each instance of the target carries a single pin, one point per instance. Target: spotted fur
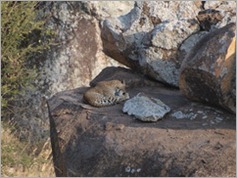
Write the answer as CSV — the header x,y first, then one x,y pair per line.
x,y
106,93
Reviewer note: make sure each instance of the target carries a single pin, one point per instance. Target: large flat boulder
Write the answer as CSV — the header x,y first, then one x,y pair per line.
x,y
193,139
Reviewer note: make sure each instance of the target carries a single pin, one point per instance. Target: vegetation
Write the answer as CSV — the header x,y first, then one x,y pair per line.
x,y
24,39
16,161
23,36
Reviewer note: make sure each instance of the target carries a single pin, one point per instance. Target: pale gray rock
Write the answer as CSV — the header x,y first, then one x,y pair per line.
x,y
169,10
191,41
181,115
161,57
170,35
221,5
148,37
105,9
145,108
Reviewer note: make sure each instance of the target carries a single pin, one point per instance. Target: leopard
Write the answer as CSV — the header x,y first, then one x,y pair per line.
x,y
106,93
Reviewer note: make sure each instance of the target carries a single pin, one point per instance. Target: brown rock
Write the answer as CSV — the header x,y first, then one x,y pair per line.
x,y
208,72
192,140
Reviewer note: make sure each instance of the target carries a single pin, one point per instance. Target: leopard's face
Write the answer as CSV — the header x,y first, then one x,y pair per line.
x,y
121,94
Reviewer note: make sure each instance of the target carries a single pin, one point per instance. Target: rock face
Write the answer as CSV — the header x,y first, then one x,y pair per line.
x,y
106,9
227,9
191,140
79,58
148,37
208,72
152,36
74,62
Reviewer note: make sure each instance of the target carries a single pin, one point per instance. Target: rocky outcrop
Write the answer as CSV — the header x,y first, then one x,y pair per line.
x,y
152,37
227,9
208,72
155,39
191,140
217,14
148,37
107,9
74,60
79,57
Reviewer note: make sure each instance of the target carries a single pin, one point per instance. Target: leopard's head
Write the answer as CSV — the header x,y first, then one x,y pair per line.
x,y
122,94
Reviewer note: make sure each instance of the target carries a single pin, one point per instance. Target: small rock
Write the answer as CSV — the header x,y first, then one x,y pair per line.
x,y
181,115
119,127
108,126
133,171
200,112
127,169
193,116
145,108
212,122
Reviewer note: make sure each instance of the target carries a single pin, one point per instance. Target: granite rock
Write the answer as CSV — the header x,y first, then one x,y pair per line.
x,y
145,108
147,39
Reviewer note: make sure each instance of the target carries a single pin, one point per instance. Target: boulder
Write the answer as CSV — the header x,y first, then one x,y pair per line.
x,y
221,5
192,140
80,50
208,71
74,60
106,9
147,39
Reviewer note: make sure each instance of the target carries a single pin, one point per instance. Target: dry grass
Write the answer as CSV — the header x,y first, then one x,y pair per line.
x,y
20,160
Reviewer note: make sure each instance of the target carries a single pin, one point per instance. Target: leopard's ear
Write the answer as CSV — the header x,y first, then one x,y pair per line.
x,y
123,82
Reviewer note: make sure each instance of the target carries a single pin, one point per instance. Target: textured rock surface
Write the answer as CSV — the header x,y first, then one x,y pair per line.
x,y
107,9
192,140
146,109
208,72
77,59
226,8
148,37
209,18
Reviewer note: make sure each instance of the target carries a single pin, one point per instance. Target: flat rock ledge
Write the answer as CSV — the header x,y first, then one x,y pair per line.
x,y
193,139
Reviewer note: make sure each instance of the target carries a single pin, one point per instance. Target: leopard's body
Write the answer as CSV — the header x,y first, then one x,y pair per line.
x,y
106,93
